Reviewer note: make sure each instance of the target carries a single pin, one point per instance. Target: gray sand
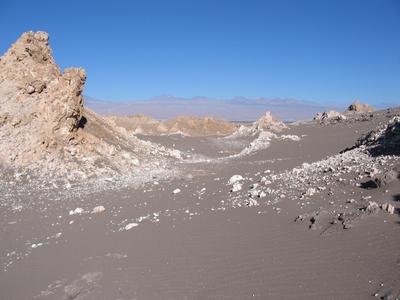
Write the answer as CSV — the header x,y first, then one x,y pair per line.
x,y
206,242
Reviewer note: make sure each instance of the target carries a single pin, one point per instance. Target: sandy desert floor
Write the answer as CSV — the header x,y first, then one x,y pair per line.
x,y
185,235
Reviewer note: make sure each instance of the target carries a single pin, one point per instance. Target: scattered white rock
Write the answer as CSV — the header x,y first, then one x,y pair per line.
x,y
237,186
77,211
251,202
310,192
254,186
130,226
262,194
254,193
176,191
235,178
34,246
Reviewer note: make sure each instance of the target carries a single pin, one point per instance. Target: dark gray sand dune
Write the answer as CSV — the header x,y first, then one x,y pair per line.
x,y
313,239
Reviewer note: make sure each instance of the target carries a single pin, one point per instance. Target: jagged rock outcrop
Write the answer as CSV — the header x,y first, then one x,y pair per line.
x,y
331,116
267,122
357,106
40,107
44,126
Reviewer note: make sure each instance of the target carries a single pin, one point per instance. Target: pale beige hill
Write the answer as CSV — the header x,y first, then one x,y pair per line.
x,y
199,126
131,122
135,123
185,125
44,126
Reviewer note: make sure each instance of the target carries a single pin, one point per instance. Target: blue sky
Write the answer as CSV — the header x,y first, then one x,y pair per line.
x,y
324,51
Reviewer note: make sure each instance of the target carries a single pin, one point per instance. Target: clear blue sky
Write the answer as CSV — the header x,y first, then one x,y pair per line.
x,y
326,51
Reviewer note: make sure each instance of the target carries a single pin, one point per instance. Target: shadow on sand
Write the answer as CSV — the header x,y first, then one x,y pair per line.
x,y
396,197
388,143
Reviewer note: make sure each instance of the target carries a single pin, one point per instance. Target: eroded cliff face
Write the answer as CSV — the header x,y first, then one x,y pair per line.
x,y
40,107
44,126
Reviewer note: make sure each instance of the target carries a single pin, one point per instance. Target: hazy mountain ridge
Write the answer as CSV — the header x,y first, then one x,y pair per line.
x,y
237,108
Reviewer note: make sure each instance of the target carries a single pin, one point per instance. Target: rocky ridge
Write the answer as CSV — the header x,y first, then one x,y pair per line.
x,y
184,125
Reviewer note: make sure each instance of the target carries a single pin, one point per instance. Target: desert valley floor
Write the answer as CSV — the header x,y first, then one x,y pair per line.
x,y
303,220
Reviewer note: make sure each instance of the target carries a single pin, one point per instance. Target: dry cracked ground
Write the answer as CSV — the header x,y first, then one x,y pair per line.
x,y
306,213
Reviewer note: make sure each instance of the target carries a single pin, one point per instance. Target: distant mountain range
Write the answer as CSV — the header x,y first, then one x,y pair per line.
x,y
235,109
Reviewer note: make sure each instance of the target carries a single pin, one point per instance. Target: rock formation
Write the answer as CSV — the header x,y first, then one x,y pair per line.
x,y
357,106
43,124
40,107
329,117
267,122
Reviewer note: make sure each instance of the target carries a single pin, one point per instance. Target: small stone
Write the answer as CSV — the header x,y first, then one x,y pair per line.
x,y
30,89
299,218
98,209
130,226
347,226
234,179
176,191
